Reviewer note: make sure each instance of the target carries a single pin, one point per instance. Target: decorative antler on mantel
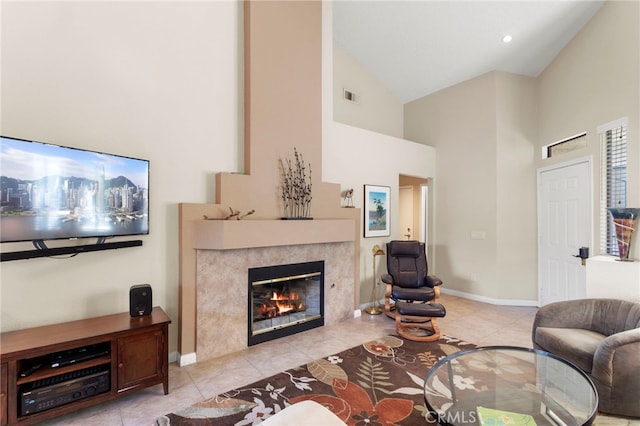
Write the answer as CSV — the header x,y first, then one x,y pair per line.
x,y
232,213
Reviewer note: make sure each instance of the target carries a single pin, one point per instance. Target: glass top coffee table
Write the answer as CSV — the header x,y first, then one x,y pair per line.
x,y
503,385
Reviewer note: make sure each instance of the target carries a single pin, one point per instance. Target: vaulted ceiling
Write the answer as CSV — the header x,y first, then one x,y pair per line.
x,y
415,48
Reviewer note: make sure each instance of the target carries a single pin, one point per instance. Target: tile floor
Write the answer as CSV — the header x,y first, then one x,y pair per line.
x,y
476,322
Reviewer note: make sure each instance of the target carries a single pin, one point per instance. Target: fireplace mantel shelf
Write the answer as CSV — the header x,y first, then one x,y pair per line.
x,y
237,234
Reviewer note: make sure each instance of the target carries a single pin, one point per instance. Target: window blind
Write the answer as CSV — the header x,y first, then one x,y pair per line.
x,y
613,181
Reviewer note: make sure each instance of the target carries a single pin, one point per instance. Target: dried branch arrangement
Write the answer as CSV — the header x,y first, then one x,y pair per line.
x,y
296,187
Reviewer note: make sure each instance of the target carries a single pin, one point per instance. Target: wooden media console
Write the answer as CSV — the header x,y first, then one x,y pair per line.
x,y
57,369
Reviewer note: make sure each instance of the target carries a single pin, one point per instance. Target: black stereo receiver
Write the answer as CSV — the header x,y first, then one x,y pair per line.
x,y
44,394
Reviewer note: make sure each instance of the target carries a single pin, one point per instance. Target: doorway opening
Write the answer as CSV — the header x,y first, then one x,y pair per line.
x,y
415,209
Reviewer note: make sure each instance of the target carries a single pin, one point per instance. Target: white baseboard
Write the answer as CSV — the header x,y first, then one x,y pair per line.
x,y
186,359
493,301
470,296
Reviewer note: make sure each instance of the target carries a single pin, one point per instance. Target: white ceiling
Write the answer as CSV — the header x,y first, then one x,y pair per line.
x,y
415,48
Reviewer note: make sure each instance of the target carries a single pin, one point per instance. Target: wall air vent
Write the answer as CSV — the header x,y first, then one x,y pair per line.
x,y
348,95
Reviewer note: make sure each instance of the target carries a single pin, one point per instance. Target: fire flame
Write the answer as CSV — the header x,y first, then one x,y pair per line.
x,y
280,303
286,303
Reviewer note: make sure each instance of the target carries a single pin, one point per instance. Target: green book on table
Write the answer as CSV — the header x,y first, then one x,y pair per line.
x,y
492,417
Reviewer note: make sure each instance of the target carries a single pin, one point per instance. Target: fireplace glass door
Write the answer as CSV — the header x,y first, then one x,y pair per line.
x,y
285,299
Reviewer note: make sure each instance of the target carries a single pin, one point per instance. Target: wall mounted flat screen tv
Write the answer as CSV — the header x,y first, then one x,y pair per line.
x,y
52,192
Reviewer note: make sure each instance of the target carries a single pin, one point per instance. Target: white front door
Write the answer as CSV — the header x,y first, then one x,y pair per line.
x,y
564,225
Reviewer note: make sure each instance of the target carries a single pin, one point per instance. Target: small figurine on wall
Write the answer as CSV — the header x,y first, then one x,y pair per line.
x,y
347,196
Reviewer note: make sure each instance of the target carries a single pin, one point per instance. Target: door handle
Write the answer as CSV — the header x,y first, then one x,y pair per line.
x,y
583,254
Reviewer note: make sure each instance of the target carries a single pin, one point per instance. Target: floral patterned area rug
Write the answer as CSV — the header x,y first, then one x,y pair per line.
x,y
380,382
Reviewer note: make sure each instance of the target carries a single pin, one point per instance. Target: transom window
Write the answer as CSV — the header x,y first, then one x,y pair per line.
x,y
564,146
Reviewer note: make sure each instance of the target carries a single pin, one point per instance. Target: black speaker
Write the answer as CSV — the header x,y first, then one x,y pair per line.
x,y
140,300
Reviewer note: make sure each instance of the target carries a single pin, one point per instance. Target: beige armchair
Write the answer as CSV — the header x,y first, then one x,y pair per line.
x,y
602,337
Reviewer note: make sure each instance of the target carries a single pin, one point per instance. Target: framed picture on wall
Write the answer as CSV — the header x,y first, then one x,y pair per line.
x,y
376,211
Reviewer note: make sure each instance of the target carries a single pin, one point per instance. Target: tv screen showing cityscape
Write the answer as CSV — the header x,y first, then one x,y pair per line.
x,y
53,192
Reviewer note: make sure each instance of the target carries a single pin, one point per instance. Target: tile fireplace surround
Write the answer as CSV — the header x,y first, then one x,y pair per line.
x,y
215,257
222,289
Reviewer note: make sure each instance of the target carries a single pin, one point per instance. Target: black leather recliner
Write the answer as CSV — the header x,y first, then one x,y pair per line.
x,y
412,290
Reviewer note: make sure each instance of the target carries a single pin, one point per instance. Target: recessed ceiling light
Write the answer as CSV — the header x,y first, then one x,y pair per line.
x,y
507,38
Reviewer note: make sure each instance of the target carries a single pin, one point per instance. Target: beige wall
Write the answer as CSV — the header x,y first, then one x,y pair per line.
x,y
155,80
596,80
516,243
360,157
376,108
482,131
489,132
283,108
360,145
161,81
